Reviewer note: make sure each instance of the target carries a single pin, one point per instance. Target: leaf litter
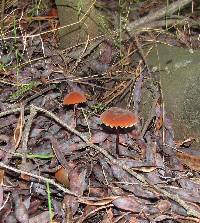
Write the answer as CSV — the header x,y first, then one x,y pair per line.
x,y
152,178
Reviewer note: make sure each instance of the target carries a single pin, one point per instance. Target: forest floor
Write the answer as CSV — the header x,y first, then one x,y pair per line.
x,y
64,160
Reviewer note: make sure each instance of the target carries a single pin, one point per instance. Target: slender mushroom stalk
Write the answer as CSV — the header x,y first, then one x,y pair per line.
x,y
117,141
75,114
74,98
117,118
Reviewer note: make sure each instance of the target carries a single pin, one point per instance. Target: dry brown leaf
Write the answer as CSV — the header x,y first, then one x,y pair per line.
x,y
193,162
19,128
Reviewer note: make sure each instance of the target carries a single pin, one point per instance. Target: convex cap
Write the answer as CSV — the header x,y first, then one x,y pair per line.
x,y
118,117
74,97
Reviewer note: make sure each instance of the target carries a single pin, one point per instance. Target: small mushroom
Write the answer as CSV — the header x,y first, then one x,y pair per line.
x,y
74,98
62,176
117,118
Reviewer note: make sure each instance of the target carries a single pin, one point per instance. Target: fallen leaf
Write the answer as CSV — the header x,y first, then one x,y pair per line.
x,y
21,212
128,204
106,53
58,152
99,137
42,218
77,184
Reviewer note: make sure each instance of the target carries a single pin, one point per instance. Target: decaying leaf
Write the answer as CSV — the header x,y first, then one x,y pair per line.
x,y
58,152
128,204
42,218
77,184
99,137
21,212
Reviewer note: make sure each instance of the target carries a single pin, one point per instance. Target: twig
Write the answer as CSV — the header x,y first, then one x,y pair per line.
x,y
51,87
27,132
81,55
43,179
10,111
4,203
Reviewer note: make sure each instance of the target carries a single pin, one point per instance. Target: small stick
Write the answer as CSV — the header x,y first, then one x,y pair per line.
x,y
44,179
26,133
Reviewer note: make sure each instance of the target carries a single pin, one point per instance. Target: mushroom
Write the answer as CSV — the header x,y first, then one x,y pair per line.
x,y
62,176
117,118
74,98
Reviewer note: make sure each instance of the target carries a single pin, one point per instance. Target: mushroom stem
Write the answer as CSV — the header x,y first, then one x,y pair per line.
x,y
117,141
75,115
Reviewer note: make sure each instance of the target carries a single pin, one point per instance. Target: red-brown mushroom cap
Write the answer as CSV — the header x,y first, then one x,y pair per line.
x,y
118,117
74,97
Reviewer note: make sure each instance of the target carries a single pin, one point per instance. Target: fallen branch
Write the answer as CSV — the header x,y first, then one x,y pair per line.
x,y
165,11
